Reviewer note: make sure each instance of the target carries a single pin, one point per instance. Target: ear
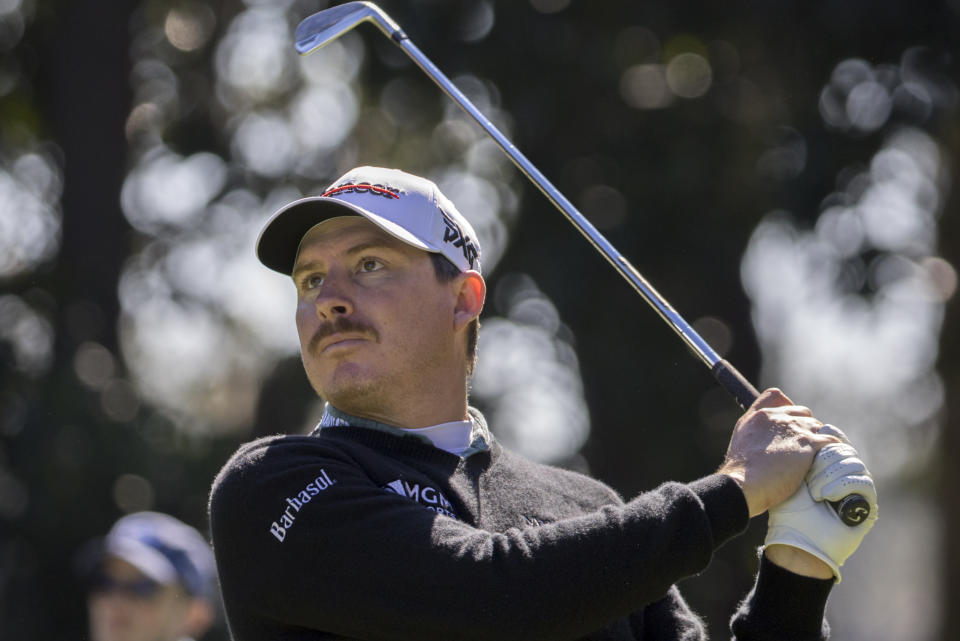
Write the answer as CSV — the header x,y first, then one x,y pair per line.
x,y
199,617
471,292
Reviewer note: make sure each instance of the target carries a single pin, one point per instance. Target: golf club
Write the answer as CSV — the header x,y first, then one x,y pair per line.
x,y
327,25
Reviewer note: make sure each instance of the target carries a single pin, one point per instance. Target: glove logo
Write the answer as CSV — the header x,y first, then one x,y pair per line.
x,y
853,509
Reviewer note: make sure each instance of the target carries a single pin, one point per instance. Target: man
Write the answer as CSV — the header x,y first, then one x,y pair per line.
x,y
401,517
152,579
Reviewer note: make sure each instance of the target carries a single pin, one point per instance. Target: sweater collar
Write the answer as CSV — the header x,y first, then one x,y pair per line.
x,y
460,438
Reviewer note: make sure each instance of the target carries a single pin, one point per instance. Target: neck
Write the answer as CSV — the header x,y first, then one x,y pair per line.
x,y
411,418
412,404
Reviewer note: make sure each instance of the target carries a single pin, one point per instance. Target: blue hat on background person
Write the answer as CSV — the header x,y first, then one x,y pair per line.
x,y
164,549
151,577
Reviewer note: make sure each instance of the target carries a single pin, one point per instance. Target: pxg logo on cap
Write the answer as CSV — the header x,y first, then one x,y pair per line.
x,y
408,207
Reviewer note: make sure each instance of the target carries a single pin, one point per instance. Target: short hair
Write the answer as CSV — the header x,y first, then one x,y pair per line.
x,y
447,271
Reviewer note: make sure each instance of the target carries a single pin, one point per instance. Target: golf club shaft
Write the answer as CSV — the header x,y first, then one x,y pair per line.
x,y
729,378
321,27
318,29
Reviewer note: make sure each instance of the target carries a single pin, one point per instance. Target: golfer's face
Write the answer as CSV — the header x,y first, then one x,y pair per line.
x,y
371,313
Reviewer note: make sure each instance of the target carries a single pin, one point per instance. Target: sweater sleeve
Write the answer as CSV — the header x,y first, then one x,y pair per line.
x,y
311,541
783,606
672,618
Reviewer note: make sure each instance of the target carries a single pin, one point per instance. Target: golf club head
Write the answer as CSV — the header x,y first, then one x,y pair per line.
x,y
328,25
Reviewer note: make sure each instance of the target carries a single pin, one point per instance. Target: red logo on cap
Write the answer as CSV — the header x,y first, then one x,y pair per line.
x,y
362,188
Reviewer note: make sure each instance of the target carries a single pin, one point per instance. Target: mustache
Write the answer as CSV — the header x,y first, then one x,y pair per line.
x,y
342,324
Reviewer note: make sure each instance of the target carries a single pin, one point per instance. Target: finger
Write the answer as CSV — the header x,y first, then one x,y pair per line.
x,y
833,430
833,454
789,410
820,441
847,485
771,397
831,463
799,423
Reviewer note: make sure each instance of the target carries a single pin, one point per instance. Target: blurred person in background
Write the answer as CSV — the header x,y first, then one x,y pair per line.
x,y
152,578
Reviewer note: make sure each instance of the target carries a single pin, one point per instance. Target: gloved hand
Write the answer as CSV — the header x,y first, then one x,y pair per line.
x,y
808,522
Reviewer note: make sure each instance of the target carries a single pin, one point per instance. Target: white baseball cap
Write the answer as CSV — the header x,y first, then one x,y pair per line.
x,y
408,207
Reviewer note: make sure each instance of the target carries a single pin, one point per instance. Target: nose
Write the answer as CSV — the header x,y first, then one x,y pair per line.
x,y
333,298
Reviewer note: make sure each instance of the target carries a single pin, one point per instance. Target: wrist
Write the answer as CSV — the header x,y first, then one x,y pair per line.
x,y
798,561
737,473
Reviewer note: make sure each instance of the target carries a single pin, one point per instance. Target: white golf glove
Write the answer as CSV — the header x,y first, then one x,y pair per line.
x,y
807,521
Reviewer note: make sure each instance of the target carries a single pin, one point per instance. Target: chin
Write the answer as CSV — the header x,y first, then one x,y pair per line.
x,y
348,389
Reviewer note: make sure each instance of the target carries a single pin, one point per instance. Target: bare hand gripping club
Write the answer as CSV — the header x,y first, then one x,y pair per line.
x,y
329,24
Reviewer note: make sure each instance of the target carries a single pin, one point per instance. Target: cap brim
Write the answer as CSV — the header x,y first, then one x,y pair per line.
x,y
280,238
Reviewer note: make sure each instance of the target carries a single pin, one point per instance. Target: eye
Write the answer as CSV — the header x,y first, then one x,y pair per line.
x,y
311,281
370,265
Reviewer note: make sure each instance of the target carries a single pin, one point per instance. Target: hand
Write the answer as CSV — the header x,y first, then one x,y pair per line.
x,y
807,522
771,449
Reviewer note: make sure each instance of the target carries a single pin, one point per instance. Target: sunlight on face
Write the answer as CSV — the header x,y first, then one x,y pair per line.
x,y
376,326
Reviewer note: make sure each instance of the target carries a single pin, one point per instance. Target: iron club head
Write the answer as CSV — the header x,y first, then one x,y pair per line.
x,y
327,25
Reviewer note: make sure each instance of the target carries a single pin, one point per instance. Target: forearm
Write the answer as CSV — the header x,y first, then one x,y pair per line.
x,y
579,574
798,561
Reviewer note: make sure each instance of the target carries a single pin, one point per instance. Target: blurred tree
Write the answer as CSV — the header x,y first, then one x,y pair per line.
x,y
77,58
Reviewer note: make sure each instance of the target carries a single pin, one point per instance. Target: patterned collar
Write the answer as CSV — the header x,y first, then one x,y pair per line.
x,y
444,436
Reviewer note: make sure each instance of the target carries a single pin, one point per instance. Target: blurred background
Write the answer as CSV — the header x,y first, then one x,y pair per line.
x,y
781,171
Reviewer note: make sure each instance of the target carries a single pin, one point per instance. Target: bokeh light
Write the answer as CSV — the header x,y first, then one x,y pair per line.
x,y
148,192
716,332
12,23
603,205
30,187
879,348
29,335
654,77
254,60
189,25
849,314
264,143
9,6
688,75
176,298
528,376
119,401
644,86
876,332
861,97
477,21
94,365
133,493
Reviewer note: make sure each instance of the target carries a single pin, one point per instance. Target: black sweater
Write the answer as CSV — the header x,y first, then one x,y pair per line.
x,y
358,534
